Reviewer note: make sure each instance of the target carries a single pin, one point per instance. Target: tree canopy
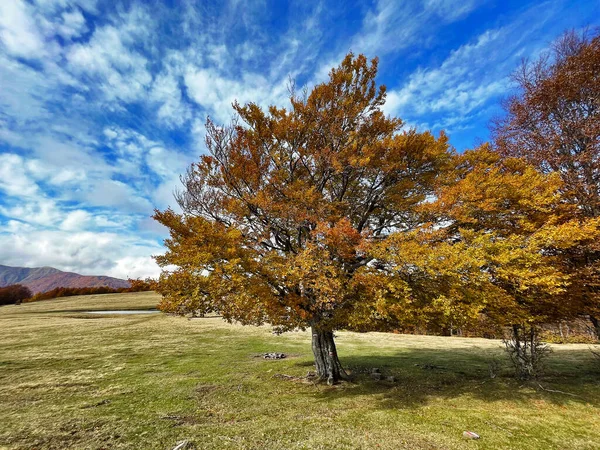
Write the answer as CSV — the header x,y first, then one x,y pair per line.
x,y
553,122
331,215
279,217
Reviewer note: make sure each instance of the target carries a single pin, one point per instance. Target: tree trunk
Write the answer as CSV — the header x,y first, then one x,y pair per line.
x,y
327,363
596,324
562,336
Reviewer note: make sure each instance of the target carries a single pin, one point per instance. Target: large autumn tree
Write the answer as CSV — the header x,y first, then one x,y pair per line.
x,y
553,121
280,217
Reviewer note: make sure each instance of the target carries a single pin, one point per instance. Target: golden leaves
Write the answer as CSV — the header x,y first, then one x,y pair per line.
x,y
326,213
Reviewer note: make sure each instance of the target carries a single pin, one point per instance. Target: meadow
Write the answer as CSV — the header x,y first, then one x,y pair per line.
x,y
69,379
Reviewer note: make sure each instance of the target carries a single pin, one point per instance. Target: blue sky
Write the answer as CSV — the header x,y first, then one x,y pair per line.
x,y
103,103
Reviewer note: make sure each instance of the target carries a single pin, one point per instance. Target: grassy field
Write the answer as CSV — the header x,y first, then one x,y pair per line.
x,y
74,380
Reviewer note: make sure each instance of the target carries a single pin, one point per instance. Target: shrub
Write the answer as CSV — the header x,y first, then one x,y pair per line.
x,y
526,351
14,294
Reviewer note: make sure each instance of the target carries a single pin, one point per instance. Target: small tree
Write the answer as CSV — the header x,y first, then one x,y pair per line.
x,y
15,293
526,351
554,123
279,219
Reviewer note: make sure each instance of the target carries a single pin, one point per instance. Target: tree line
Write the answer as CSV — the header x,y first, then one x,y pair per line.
x,y
16,294
330,215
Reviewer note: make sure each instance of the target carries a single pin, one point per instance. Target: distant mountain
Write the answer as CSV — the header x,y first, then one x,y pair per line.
x,y
42,279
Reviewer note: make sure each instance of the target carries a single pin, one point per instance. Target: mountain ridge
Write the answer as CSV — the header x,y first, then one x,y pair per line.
x,y
46,278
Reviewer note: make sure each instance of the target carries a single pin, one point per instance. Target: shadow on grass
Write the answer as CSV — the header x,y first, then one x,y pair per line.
x,y
423,375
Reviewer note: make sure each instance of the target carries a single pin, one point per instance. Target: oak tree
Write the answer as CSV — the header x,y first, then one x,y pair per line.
x,y
281,218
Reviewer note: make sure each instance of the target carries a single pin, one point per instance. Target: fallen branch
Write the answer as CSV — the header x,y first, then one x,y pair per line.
x,y
557,391
287,377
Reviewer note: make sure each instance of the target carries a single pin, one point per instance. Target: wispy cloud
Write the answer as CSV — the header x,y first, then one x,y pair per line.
x,y
467,86
453,89
102,103
18,30
393,25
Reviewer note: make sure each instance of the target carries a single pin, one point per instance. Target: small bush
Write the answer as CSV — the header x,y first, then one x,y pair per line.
x,y
526,351
14,294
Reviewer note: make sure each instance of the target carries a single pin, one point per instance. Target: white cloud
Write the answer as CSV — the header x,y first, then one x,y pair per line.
x,y
40,211
167,163
76,220
73,24
55,175
60,155
82,252
163,194
14,177
116,194
166,91
53,6
110,133
452,86
18,30
451,10
392,25
15,226
198,132
121,72
395,27
457,92
121,221
216,93
135,267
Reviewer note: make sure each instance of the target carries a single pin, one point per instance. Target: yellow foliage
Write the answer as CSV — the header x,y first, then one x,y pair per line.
x,y
328,214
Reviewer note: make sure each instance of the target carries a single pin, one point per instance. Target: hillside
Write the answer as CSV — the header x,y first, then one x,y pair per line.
x,y
42,279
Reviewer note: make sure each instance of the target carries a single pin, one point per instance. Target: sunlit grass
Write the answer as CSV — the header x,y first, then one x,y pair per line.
x,y
75,380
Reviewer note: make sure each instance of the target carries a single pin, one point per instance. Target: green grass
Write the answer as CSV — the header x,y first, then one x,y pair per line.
x,y
73,380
